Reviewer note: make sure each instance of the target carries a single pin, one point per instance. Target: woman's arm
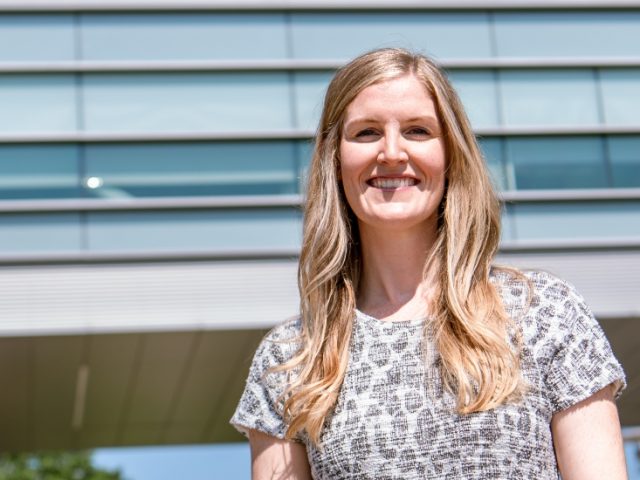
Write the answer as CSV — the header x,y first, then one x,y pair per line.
x,y
276,459
588,440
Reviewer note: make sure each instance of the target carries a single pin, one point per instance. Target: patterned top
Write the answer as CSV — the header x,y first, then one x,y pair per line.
x,y
394,420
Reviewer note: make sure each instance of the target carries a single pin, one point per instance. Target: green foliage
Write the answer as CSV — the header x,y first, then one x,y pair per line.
x,y
52,466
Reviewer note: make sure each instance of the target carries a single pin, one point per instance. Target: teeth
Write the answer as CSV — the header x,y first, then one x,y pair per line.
x,y
393,182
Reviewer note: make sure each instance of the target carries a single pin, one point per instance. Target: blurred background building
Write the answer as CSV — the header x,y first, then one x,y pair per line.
x,y
152,156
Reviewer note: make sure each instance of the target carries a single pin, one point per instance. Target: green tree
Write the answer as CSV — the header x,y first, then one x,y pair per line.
x,y
53,466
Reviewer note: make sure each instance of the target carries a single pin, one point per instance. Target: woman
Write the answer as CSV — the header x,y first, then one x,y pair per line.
x,y
414,357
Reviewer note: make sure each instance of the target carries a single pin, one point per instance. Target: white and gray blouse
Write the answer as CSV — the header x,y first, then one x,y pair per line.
x,y
394,420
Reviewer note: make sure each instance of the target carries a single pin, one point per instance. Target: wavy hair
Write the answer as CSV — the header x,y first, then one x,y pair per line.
x,y
480,361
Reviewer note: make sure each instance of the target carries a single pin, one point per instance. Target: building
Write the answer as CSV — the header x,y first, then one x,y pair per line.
x,y
151,157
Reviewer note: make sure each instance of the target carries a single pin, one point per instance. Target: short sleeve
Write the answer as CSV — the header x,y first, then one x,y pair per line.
x,y
581,360
260,406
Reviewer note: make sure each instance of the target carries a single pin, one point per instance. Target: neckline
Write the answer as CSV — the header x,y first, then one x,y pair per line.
x,y
383,323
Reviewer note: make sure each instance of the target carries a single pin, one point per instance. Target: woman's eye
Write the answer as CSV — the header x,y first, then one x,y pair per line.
x,y
366,133
418,131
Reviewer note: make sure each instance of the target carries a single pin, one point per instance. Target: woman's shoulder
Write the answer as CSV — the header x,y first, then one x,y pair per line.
x,y
280,344
545,306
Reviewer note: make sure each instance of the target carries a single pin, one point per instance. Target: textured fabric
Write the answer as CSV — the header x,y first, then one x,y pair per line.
x,y
394,420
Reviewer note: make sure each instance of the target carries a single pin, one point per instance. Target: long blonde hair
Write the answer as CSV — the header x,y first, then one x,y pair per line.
x,y
470,328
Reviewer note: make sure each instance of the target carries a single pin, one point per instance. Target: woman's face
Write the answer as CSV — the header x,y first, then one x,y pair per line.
x,y
392,159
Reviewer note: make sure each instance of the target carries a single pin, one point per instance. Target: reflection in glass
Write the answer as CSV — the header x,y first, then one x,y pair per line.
x,y
549,97
187,102
563,162
39,171
345,35
174,169
236,229
183,36
567,34
621,96
624,153
584,220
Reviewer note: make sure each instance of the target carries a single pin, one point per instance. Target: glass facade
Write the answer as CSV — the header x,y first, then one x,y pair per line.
x,y
261,118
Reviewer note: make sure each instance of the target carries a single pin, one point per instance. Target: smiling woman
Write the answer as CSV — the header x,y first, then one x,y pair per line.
x,y
414,356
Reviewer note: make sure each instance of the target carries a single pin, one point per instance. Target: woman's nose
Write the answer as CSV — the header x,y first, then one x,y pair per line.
x,y
393,149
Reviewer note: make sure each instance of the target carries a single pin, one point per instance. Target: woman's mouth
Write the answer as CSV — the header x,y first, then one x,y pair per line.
x,y
393,183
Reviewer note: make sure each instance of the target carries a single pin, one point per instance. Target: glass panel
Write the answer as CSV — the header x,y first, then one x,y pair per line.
x,y
621,96
39,171
36,233
546,97
506,230
564,162
345,35
175,36
37,103
199,230
25,38
566,34
304,152
624,153
188,102
492,150
591,220
477,91
248,168
309,90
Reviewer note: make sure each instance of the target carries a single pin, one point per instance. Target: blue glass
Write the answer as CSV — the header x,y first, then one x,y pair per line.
x,y
621,96
507,230
345,35
624,153
309,90
556,162
39,171
580,220
37,103
567,34
304,152
549,97
198,102
183,36
36,37
492,150
477,90
176,169
35,233
233,230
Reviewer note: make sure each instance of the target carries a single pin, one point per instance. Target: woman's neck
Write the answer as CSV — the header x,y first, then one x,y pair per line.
x,y
392,283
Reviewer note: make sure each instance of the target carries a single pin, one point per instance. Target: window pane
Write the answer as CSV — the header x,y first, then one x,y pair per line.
x,y
559,97
198,230
345,35
492,150
577,220
566,34
39,171
187,102
477,91
621,96
309,94
564,162
37,103
248,168
624,153
174,36
25,38
304,149
36,233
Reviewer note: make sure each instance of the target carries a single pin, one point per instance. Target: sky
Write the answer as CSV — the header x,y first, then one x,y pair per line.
x,y
193,462
219,462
